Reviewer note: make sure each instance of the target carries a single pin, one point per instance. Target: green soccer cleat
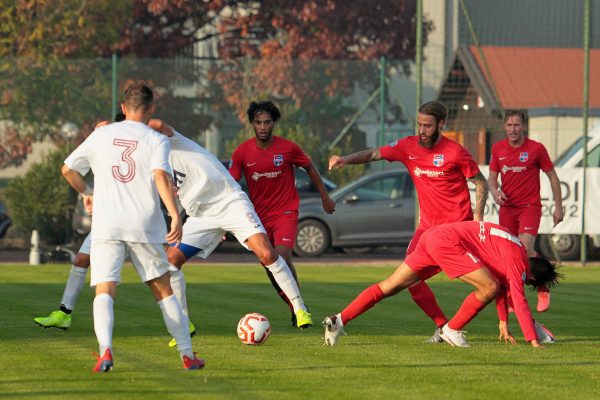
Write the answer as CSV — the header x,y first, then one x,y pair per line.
x,y
56,319
303,319
173,342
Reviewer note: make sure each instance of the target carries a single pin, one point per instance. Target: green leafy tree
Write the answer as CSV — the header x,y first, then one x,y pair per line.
x,y
41,198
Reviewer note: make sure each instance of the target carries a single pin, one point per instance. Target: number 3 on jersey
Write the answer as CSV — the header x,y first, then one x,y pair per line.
x,y
130,146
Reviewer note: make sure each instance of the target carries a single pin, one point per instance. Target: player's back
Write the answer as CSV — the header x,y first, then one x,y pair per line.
x,y
126,206
199,176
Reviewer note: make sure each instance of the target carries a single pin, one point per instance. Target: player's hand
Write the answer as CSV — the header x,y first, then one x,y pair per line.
x,y
558,215
101,124
174,235
505,333
336,161
328,205
537,344
500,197
88,203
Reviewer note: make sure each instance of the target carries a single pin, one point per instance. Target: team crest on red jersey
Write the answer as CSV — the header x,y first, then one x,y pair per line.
x,y
278,160
523,156
438,160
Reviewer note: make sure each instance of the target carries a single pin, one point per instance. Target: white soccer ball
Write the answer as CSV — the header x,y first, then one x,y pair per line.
x,y
254,329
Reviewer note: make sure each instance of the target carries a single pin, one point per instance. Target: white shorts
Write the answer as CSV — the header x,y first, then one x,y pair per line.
x,y
86,246
107,258
236,215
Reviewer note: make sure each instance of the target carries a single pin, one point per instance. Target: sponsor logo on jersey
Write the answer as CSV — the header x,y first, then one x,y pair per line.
x,y
393,144
426,172
269,175
250,164
523,156
438,160
278,160
412,157
506,169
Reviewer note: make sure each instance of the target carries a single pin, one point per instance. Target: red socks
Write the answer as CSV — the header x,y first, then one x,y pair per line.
x,y
363,302
467,311
423,296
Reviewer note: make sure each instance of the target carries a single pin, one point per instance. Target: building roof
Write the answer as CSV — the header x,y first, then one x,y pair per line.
x,y
538,78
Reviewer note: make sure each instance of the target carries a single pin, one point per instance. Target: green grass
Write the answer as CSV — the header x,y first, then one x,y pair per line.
x,y
383,356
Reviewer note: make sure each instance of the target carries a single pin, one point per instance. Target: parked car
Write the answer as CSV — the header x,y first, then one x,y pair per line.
x,y
5,221
568,246
376,210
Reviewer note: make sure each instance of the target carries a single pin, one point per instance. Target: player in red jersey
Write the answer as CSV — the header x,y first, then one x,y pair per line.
x,y
481,254
519,160
267,162
439,168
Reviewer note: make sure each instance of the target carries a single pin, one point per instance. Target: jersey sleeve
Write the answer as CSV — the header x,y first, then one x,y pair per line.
x,y
468,166
393,151
160,157
544,160
494,165
502,305
235,165
299,157
517,294
79,159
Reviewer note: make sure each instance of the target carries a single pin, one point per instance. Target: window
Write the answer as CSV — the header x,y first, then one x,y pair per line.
x,y
388,188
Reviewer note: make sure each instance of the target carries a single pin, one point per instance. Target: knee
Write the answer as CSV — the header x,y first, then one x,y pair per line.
x,y
490,290
82,260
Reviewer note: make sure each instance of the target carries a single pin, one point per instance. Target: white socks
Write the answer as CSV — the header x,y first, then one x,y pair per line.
x,y
179,289
104,320
177,324
284,278
73,287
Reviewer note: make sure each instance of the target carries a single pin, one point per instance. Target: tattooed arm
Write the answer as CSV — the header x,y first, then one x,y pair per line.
x,y
362,157
481,195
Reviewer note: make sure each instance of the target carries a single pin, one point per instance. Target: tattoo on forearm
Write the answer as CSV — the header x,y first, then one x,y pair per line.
x,y
481,193
363,157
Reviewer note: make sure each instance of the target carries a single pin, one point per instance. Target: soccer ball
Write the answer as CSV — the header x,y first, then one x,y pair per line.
x,y
254,329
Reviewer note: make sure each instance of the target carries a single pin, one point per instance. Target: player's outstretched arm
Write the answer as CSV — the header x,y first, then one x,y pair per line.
x,y
75,180
481,195
361,157
315,177
164,186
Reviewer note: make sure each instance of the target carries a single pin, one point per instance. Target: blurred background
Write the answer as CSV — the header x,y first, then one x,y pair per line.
x,y
346,74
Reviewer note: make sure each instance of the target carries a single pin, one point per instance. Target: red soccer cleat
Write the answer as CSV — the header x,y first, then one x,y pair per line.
x,y
543,303
193,363
105,363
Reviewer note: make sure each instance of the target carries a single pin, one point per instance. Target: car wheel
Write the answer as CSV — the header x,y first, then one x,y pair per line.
x,y
567,247
312,238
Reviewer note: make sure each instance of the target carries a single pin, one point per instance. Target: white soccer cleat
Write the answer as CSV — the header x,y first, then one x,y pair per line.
x,y
544,335
334,328
454,337
436,337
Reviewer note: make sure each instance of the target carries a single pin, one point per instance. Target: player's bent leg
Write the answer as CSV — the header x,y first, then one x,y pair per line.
x,y
487,288
423,296
400,279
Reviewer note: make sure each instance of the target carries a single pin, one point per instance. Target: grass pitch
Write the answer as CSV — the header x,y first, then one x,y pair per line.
x,y
383,355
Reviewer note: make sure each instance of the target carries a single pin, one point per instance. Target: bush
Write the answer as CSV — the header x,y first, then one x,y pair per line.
x,y
42,199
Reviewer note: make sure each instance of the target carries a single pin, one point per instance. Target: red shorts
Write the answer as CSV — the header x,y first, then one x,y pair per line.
x,y
415,240
520,220
281,229
437,252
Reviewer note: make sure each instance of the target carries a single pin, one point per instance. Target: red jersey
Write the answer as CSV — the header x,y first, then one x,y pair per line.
x,y
519,169
502,253
440,176
270,174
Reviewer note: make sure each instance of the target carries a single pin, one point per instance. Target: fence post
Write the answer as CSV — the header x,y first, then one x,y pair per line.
x,y
381,140
114,86
585,108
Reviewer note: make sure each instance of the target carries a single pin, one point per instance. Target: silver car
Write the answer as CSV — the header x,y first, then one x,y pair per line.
x,y
376,210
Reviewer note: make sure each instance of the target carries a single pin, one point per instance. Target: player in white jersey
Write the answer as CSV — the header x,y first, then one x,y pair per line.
x,y
131,171
215,204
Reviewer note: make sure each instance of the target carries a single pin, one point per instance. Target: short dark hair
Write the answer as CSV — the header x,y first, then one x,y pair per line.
x,y
119,117
544,272
436,109
263,106
515,113
138,96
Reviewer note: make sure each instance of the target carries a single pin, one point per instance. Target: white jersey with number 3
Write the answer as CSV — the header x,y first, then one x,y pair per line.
x,y
123,157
